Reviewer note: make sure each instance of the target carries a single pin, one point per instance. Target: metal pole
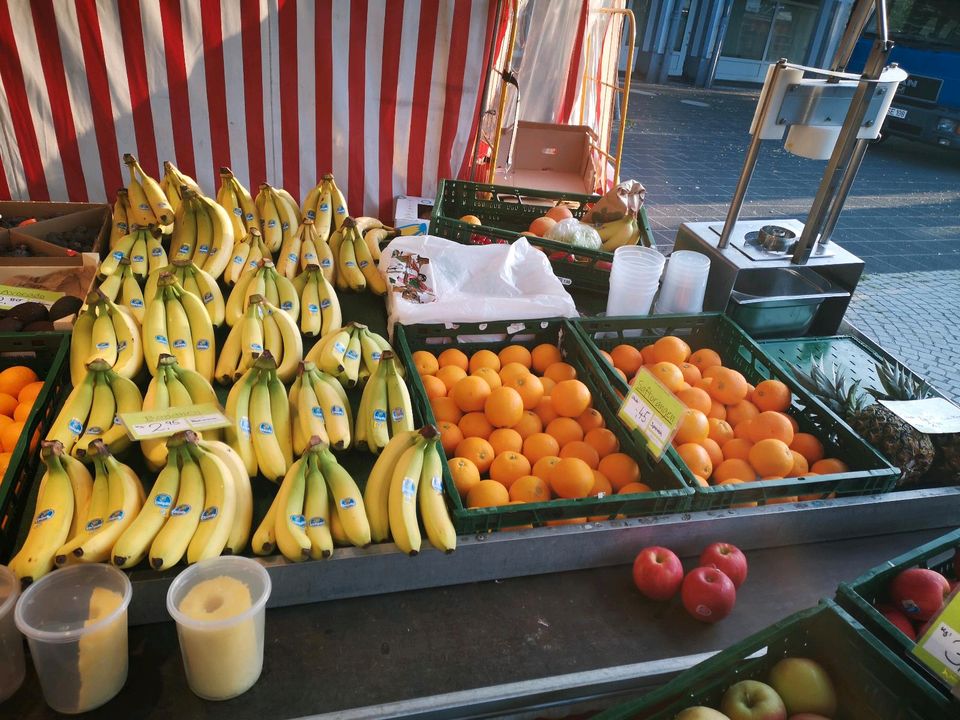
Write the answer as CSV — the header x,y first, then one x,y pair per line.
x,y
846,182
718,45
858,21
677,13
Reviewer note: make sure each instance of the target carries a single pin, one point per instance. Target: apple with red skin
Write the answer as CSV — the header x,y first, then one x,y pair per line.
x,y
708,594
728,559
919,592
752,700
657,573
899,620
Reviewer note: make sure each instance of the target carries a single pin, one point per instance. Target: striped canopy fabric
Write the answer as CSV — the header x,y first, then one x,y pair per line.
x,y
383,93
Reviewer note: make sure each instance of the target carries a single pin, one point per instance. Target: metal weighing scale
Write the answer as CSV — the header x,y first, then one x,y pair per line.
x,y
781,276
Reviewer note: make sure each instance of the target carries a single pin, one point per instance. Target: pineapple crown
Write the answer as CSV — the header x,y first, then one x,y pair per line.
x,y
843,397
898,384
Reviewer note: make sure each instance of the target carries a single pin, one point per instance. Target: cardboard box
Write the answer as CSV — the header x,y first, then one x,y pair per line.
x,y
44,253
75,279
413,212
92,216
548,157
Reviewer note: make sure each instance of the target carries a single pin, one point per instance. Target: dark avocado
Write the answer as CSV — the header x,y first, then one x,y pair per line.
x,y
39,326
28,312
9,324
65,306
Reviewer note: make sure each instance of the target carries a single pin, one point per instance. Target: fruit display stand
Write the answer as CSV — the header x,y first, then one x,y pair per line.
x,y
67,228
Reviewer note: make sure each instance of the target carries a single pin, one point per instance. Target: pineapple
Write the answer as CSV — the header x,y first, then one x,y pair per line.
x,y
895,439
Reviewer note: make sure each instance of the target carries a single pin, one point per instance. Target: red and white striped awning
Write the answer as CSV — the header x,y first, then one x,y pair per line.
x,y
385,93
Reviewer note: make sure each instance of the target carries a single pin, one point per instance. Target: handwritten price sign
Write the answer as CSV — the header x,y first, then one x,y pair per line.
x,y
163,423
651,409
11,296
939,648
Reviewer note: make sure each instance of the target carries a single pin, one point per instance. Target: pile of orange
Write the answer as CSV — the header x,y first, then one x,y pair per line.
x,y
732,432
19,387
518,427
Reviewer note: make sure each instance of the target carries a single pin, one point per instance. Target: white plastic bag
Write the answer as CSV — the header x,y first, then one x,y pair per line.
x,y
432,280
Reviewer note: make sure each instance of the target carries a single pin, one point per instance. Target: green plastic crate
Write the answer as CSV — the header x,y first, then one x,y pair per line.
x,y
859,596
870,472
46,354
671,493
871,682
507,211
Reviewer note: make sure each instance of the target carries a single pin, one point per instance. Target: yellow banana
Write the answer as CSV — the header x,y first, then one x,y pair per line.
x,y
376,491
220,504
152,192
238,435
316,511
171,543
243,517
402,499
347,499
264,538
433,506
125,492
290,522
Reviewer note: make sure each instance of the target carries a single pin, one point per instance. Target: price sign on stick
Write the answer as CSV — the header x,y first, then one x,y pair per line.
x,y
163,423
653,410
939,647
11,296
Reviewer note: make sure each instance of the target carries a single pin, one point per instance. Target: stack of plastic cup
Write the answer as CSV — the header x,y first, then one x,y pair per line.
x,y
634,279
11,643
684,283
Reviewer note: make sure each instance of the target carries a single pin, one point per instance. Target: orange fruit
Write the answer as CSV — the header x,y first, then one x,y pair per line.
x,y
743,410
683,386
450,436
827,466
772,395
565,430
560,371
5,458
529,424
736,481
591,419
720,431
728,386
8,404
694,428
475,424
705,358
570,398
701,481
717,410
504,407
622,374
544,466
696,458
696,399
444,408
771,424
600,484
505,440
16,378
470,393
602,440
30,391
703,384
743,430
452,356
580,449
669,374
671,349
711,372
540,445
647,353
450,375
606,356
487,493
484,358
5,420
530,388
478,451
807,445
714,451
508,467
738,448
543,356
10,434
619,469
490,376
529,489
433,386
545,411
800,465
515,354
511,371
793,422
425,362
571,478
771,457
464,473
626,358
548,385
691,373
634,488
734,468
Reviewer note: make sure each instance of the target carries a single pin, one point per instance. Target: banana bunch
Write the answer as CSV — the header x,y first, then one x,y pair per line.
x,y
201,506
120,224
90,412
236,200
247,255
142,247
148,202
173,182
60,512
263,328
356,268
122,288
195,281
116,497
266,282
260,429
106,331
319,408
173,387
279,215
351,353
408,474
203,232
314,250
326,206
319,304
385,407
177,323
617,233
376,235
299,522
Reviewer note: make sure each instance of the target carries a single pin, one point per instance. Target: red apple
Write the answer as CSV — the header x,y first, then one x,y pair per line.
x,y
728,559
919,592
657,573
900,621
708,594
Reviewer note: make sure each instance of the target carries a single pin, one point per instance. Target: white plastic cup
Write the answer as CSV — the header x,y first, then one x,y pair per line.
x,y
684,283
223,650
12,668
75,620
638,255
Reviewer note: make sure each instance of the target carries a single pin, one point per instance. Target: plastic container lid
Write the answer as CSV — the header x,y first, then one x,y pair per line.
x,y
248,571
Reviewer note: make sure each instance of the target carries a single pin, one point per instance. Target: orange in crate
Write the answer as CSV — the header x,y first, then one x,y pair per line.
x,y
571,478
543,356
540,445
620,469
503,407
